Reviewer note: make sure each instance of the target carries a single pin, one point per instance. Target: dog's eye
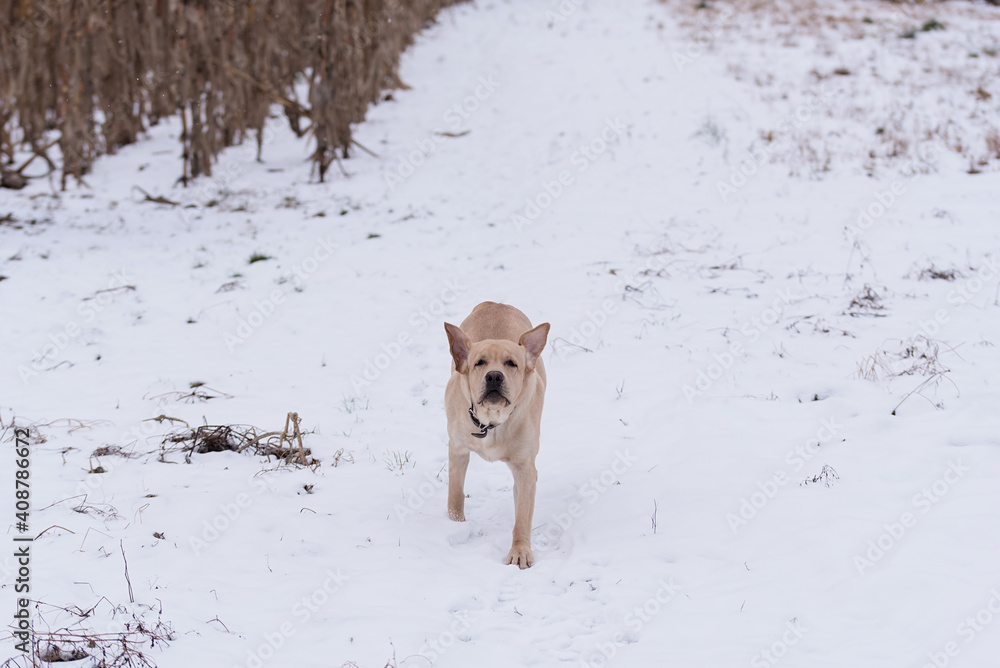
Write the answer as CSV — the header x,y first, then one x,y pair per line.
x,y
511,364
481,363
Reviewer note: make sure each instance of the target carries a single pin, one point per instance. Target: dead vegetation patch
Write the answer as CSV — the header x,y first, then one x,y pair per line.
x,y
868,302
286,445
932,273
112,450
818,325
63,634
918,356
827,476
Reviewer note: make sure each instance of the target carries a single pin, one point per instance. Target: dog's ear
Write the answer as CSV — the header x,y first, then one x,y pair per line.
x,y
460,345
534,341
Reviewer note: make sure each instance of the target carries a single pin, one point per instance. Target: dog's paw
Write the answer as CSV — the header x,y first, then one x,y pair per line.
x,y
456,515
520,555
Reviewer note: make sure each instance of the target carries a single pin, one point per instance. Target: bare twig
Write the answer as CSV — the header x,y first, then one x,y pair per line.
x,y
156,199
216,619
54,526
131,597
35,153
160,418
918,388
563,341
355,142
126,288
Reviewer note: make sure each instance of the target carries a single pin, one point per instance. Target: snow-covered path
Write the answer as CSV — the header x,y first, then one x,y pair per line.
x,y
709,354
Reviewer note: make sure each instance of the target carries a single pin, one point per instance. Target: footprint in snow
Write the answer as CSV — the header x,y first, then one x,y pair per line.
x,y
465,534
510,590
551,539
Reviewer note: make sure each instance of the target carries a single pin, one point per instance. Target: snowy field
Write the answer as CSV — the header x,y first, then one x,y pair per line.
x,y
766,238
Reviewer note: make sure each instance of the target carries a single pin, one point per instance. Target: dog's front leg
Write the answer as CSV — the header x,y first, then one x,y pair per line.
x,y
525,479
458,464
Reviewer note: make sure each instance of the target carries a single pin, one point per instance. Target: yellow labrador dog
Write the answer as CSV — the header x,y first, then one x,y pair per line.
x,y
494,407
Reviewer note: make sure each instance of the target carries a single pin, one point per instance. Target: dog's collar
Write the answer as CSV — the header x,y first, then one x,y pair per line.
x,y
483,428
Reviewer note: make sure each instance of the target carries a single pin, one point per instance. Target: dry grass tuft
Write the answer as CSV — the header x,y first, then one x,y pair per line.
x,y
874,367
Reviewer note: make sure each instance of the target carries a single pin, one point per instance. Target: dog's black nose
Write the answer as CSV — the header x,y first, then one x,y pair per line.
x,y
494,379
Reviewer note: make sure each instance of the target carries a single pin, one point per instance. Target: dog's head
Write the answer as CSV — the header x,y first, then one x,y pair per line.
x,y
496,368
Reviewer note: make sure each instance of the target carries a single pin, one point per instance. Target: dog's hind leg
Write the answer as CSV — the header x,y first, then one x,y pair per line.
x,y
458,464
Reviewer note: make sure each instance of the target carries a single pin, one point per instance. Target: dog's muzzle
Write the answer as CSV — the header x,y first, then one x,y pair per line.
x,y
493,391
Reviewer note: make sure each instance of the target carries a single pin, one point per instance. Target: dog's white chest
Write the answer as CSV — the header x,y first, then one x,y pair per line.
x,y
488,448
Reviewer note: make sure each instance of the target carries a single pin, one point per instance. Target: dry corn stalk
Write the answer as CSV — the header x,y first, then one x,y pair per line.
x,y
91,75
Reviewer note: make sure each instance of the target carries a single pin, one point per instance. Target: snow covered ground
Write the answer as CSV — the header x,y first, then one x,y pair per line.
x,y
771,433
